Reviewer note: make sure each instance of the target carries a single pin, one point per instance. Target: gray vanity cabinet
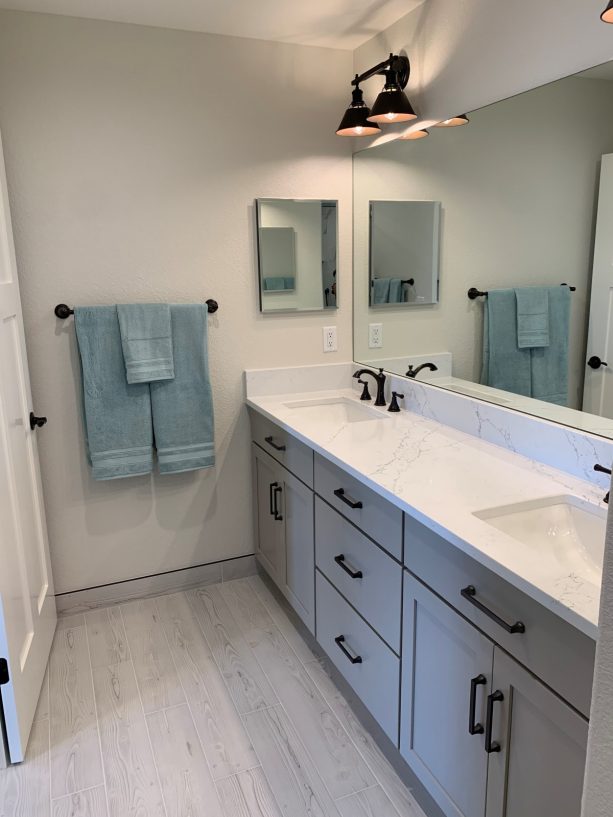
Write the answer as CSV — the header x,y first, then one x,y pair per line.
x,y
285,532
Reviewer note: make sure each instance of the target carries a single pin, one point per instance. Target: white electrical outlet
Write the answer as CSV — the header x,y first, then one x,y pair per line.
x,y
375,335
330,342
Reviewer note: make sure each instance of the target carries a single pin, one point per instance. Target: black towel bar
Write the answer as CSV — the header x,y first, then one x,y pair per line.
x,y
474,293
409,281
63,311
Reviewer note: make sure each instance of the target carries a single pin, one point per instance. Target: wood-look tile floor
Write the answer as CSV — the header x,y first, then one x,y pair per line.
x,y
206,703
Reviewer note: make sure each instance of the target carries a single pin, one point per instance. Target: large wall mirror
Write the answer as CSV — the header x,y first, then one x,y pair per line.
x,y
297,249
526,226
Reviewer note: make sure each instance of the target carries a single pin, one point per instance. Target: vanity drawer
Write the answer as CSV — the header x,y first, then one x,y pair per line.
x,y
286,449
377,517
555,651
376,677
377,592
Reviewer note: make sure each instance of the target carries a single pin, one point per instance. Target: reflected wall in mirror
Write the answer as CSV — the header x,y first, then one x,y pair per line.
x,y
526,196
404,250
297,248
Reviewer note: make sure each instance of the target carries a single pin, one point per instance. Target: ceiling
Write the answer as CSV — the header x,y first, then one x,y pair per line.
x,y
342,24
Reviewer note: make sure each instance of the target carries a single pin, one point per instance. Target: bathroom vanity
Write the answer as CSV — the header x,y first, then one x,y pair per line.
x,y
396,540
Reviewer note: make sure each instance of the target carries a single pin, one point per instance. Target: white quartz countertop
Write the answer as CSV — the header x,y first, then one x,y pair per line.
x,y
441,477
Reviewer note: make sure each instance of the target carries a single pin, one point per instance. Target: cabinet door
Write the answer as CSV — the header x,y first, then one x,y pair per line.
x,y
270,529
296,506
444,659
539,768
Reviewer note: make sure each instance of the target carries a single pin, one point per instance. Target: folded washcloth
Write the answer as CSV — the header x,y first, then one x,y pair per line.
x,y
381,291
117,415
147,342
274,283
183,408
505,365
532,317
395,293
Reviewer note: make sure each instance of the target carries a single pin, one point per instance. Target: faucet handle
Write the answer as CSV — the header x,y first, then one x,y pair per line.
x,y
365,392
394,401
602,469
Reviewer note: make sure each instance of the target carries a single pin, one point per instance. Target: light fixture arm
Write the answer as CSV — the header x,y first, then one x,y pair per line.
x,y
397,63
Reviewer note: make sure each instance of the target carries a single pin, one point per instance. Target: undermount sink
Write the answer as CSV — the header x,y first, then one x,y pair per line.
x,y
335,410
569,529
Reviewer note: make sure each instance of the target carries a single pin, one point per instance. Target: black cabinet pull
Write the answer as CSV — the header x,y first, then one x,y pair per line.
x,y
355,659
340,561
470,594
36,422
491,746
271,487
273,444
475,728
595,362
340,493
275,493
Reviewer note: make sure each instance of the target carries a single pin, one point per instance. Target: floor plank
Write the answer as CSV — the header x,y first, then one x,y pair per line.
x,y
90,803
131,777
24,788
156,675
42,707
341,767
247,683
187,785
294,781
369,803
399,794
248,795
107,638
75,747
223,736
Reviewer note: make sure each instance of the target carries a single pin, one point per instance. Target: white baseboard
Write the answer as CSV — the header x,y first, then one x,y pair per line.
x,y
160,584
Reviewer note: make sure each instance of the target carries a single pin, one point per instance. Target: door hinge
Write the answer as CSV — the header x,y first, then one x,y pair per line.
x,y
4,671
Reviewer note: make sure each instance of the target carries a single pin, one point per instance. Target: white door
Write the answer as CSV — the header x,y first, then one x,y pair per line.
x,y
598,388
27,603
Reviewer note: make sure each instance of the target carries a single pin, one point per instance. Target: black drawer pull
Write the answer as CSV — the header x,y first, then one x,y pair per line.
x,y
340,561
340,493
355,659
491,746
275,493
271,488
469,593
273,444
475,728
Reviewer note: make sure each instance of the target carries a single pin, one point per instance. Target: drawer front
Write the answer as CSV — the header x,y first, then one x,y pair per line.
x,y
377,592
377,517
376,677
290,452
555,651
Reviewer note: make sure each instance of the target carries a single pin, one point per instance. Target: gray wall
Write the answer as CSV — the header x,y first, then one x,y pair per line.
x,y
133,157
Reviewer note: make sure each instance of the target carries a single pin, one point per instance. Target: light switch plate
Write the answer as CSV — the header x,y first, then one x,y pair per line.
x,y
375,335
330,341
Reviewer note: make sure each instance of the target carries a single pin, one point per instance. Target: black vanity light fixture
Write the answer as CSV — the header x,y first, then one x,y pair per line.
x,y
453,122
607,14
416,134
392,104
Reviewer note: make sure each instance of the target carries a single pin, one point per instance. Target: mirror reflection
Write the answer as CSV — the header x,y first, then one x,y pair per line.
x,y
297,249
526,280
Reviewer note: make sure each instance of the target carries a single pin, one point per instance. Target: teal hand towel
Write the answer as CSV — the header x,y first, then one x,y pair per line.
x,y
146,341
274,283
183,408
117,415
395,293
381,291
505,365
289,282
550,364
532,317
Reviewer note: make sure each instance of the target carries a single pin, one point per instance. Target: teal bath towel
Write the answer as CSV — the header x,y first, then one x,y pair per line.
x,y
381,291
117,415
505,365
274,283
395,293
550,363
532,317
183,408
147,342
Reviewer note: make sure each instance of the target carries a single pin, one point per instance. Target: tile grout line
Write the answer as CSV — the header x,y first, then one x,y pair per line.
x,y
144,714
91,673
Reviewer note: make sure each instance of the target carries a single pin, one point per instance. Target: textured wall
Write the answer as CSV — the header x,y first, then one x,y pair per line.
x,y
133,157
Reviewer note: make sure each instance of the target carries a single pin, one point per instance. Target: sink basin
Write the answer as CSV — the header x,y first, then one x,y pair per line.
x,y
336,410
566,528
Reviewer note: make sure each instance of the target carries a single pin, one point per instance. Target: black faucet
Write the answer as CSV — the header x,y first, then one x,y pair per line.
x,y
414,372
380,381
603,470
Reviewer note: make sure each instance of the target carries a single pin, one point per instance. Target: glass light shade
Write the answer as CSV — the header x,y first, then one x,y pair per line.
x,y
416,134
355,121
607,14
392,105
454,122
